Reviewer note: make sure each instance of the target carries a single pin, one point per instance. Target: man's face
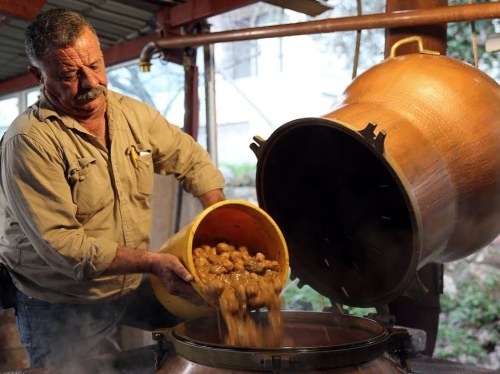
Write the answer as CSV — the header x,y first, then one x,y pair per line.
x,y
74,78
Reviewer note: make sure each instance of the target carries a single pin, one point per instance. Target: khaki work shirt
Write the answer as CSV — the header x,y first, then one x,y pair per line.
x,y
71,201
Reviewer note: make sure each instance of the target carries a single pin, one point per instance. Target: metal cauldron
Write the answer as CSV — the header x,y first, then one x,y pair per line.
x,y
320,342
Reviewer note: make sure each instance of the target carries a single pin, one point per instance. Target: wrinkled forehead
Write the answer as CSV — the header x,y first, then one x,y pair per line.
x,y
85,49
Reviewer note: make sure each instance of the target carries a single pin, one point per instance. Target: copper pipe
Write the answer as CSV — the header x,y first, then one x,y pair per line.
x,y
146,55
372,21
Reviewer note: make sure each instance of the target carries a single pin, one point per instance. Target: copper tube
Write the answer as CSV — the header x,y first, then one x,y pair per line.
x,y
372,21
146,55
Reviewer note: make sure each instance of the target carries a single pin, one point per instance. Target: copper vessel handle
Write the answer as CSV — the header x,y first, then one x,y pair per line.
x,y
257,146
410,39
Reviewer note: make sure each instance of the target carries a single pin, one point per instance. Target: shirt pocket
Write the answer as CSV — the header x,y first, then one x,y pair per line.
x,y
90,190
142,164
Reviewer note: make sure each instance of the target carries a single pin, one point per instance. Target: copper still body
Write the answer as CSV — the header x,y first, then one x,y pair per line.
x,y
406,171
442,128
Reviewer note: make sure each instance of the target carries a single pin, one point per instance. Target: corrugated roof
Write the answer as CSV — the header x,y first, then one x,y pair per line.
x,y
114,21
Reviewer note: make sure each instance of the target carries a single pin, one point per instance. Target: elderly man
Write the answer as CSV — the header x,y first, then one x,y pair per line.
x,y
77,173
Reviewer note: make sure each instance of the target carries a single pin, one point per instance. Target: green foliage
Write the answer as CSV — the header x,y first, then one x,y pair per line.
x,y
306,298
240,168
470,321
461,41
303,298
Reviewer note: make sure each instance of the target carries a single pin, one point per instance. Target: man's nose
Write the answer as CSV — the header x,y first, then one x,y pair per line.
x,y
88,78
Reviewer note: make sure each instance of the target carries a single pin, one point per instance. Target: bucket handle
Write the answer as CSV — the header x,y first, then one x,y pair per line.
x,y
410,39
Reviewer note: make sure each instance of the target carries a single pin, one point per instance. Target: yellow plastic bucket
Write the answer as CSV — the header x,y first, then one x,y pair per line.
x,y
233,221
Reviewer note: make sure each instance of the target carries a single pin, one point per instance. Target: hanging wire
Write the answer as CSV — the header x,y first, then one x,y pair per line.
x,y
474,41
358,44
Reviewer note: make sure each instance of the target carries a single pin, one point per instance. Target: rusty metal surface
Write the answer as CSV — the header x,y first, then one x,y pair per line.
x,y
141,361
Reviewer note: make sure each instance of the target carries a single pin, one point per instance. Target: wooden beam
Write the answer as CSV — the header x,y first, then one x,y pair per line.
x,y
126,51
312,8
22,9
196,10
19,83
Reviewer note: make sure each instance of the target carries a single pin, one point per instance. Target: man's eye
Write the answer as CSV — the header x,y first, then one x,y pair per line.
x,y
68,78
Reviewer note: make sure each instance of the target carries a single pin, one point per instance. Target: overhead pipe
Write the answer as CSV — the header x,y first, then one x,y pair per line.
x,y
437,15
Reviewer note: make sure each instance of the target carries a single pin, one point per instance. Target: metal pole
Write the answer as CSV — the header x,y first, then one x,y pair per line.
x,y
210,108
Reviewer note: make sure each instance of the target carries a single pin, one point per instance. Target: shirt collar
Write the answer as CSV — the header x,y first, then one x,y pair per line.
x,y
45,109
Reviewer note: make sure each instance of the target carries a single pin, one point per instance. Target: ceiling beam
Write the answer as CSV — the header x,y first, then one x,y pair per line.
x,y
126,51
312,8
22,9
196,10
19,83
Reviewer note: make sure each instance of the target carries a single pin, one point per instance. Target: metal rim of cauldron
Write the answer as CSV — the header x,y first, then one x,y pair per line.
x,y
284,358
375,148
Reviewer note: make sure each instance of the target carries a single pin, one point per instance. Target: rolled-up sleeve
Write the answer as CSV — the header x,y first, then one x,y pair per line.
x,y
179,154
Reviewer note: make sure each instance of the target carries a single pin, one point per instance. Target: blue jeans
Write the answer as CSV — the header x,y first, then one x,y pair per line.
x,y
57,334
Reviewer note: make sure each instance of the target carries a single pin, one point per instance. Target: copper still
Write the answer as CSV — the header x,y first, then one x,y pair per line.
x,y
406,171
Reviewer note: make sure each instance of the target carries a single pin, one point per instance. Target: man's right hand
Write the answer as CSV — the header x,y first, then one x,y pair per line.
x,y
176,278
168,268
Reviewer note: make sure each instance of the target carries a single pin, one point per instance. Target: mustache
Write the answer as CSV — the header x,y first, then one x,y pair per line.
x,y
90,94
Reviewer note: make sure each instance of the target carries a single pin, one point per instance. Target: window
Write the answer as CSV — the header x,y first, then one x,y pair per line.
x,y
162,87
32,97
12,106
9,110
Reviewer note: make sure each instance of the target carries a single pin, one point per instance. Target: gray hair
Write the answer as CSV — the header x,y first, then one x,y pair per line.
x,y
54,28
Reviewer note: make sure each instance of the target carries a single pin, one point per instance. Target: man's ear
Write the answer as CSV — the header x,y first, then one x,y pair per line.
x,y
36,73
